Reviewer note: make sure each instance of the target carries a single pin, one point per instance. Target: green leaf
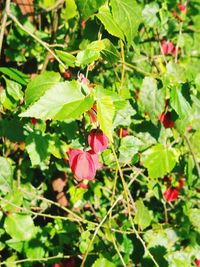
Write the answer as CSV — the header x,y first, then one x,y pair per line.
x,y
75,110
110,53
15,75
127,15
143,216
152,99
103,262
40,84
194,217
195,143
19,226
129,146
70,10
67,58
5,175
110,25
88,7
149,14
159,160
179,103
55,100
105,115
14,89
175,73
123,116
37,146
14,197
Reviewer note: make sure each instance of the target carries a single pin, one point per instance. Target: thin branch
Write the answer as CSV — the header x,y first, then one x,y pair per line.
x,y
193,154
3,26
59,256
44,44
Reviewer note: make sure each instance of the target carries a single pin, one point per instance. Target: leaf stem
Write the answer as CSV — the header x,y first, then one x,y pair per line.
x,y
3,26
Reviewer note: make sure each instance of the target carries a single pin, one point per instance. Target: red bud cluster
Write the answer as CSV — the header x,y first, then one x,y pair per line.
x,y
171,194
165,119
168,47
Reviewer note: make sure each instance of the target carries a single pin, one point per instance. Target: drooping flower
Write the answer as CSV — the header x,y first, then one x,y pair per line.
x,y
165,119
82,164
95,157
171,194
181,7
97,140
167,47
93,114
33,121
197,262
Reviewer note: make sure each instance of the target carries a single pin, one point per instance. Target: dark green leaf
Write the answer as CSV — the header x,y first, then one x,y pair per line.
x,y
88,7
15,75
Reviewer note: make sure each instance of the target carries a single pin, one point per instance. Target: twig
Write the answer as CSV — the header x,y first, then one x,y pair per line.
x,y
3,26
123,65
97,229
193,154
44,44
6,263
177,45
55,6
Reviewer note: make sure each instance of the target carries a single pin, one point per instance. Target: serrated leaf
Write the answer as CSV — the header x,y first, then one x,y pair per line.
x,y
70,10
5,175
143,216
110,25
15,75
75,110
88,7
105,115
127,14
129,146
40,84
194,217
175,73
14,89
103,262
19,226
37,146
149,14
180,104
123,116
110,53
67,58
152,99
159,160
60,96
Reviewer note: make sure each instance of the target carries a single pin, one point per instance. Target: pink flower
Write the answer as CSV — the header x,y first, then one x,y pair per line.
x,y
182,7
82,164
95,157
171,194
122,132
97,140
165,119
167,47
197,262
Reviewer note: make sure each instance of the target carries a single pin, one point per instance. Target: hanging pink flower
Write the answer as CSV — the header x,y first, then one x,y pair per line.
x,y
82,164
167,47
97,140
171,194
165,119
197,262
95,157
182,7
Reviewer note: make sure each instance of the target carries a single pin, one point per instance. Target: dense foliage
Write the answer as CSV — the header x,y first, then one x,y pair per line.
x,y
100,133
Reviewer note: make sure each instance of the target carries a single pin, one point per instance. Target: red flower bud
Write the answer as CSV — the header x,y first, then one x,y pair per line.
x,y
82,164
167,47
33,121
93,114
197,262
122,132
165,119
97,140
83,22
171,194
182,7
67,74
